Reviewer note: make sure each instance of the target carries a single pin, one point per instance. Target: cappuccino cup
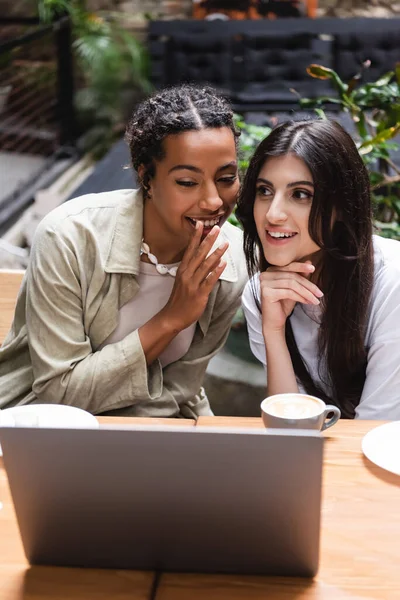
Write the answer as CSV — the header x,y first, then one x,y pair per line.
x,y
298,411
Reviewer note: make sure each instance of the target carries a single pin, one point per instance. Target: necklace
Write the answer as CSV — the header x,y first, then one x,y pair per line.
x,y
162,269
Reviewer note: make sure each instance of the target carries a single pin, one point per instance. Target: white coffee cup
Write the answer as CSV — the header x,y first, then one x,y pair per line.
x,y
298,411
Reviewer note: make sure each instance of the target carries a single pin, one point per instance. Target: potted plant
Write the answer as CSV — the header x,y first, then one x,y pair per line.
x,y
112,69
375,111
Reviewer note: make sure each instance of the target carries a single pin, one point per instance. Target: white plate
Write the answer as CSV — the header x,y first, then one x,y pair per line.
x,y
382,446
47,415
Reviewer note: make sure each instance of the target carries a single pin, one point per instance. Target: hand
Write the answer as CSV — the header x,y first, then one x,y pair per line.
x,y
195,278
281,288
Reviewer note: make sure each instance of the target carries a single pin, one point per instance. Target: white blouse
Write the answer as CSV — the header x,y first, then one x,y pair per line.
x,y
380,398
155,290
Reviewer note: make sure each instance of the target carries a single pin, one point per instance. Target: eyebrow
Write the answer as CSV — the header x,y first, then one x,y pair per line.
x,y
197,170
289,185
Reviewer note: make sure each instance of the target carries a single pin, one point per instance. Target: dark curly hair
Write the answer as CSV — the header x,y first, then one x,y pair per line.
x,y
171,111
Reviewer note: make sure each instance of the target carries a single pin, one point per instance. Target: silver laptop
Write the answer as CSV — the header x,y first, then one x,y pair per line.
x,y
168,499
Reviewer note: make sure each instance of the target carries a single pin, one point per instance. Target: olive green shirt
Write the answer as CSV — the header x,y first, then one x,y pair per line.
x,y
84,266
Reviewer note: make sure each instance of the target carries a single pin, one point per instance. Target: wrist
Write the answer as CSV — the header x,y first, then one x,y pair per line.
x,y
168,323
274,336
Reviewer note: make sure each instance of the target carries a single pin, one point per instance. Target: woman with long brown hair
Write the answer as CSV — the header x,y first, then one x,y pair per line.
x,y
323,302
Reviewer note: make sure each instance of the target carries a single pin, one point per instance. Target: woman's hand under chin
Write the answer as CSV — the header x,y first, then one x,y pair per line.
x,y
281,288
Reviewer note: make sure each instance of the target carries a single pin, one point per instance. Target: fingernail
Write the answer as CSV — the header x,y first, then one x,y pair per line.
x,y
310,267
319,293
223,246
214,229
316,301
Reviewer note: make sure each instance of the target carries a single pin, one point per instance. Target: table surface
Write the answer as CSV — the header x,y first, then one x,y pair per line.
x,y
360,540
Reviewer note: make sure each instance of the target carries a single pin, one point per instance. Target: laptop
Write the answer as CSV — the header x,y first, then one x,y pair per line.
x,y
192,499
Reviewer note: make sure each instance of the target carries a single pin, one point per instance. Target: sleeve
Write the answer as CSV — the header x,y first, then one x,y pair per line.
x,y
65,368
254,319
381,394
184,378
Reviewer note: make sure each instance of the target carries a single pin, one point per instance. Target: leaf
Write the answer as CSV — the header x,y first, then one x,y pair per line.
x,y
375,178
384,80
397,71
361,125
320,72
353,82
365,149
318,102
395,204
384,135
320,112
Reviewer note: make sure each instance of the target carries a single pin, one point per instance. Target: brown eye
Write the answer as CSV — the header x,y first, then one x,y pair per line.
x,y
302,195
263,190
186,183
228,180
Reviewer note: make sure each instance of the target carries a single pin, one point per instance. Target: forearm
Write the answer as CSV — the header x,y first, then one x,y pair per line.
x,y
281,378
156,334
115,377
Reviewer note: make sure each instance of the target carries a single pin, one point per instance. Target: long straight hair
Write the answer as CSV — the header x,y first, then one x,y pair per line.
x,y
342,197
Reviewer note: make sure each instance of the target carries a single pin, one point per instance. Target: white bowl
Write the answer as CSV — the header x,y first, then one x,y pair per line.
x,y
54,416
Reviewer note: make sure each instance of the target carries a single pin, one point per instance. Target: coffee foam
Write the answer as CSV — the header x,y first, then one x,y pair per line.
x,y
293,407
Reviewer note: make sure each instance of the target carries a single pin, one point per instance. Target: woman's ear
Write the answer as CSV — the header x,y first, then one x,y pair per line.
x,y
144,181
141,172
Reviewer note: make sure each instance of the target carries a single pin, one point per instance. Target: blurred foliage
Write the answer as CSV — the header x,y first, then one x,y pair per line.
x,y
375,111
250,137
113,69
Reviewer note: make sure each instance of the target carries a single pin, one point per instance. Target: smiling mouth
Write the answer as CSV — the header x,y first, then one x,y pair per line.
x,y
279,235
207,223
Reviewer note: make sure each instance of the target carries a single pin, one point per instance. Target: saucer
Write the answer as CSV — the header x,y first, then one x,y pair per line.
x,y
381,446
55,416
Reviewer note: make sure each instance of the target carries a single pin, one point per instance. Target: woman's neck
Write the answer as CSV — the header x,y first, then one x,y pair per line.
x,y
167,248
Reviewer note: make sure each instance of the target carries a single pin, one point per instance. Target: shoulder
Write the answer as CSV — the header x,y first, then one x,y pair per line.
x,y
89,211
386,263
91,216
386,253
385,298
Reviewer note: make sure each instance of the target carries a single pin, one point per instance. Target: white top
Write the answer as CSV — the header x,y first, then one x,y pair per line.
x,y
380,398
155,290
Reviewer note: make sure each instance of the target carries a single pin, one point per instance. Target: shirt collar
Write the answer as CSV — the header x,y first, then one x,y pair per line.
x,y
123,253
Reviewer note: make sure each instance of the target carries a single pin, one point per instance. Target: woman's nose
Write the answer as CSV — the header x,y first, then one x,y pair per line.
x,y
276,212
211,201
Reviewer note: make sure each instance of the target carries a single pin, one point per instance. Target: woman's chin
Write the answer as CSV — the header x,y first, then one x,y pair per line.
x,y
279,261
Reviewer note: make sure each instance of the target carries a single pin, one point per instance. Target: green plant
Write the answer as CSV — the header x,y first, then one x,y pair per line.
x,y
250,137
113,68
375,111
